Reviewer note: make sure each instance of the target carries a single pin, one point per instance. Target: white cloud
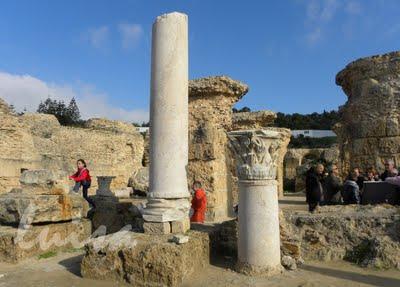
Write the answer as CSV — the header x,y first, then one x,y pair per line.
x,y
353,7
131,34
25,91
319,13
314,36
97,37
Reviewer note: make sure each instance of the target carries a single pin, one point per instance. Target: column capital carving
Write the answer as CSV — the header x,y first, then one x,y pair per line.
x,y
256,153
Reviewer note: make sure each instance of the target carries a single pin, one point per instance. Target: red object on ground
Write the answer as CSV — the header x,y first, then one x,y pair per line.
x,y
199,206
81,175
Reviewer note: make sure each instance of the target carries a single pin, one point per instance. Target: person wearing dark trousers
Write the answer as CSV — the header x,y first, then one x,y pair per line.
x,y
82,179
314,187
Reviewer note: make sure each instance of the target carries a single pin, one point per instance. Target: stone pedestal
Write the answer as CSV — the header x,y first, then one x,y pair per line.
x,y
168,189
259,242
104,183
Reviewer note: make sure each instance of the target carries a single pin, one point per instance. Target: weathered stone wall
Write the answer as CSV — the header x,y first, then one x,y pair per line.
x,y
297,161
38,141
369,130
366,235
210,117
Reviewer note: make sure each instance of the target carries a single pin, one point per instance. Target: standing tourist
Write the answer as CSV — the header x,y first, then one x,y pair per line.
x,y
82,179
390,170
314,187
351,191
333,186
199,203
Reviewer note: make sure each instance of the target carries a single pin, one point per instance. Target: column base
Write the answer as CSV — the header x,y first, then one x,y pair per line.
x,y
160,228
251,270
165,210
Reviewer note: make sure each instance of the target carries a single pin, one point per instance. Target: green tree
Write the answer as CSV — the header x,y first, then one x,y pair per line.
x,y
66,115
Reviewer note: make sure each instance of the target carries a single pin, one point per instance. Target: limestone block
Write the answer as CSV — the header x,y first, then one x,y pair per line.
x,y
19,244
42,177
180,239
252,120
163,210
180,226
145,260
139,181
32,208
157,228
113,214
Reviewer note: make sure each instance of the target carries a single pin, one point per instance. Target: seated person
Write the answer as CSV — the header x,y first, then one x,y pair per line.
x,y
351,191
372,175
360,178
390,170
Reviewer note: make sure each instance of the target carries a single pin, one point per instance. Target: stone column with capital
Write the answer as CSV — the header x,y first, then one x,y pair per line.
x,y
168,206
258,240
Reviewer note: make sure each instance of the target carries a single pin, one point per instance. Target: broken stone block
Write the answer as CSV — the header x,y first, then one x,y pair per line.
x,y
145,260
180,239
139,181
288,262
180,226
157,227
32,208
41,177
19,244
113,214
41,181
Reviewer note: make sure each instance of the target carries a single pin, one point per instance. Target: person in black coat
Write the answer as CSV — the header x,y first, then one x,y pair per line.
x,y
314,187
333,187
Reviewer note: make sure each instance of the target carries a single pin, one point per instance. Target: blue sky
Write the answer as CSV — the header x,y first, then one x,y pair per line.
x,y
288,52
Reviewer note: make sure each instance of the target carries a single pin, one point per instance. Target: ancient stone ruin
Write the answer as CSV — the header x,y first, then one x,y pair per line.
x,y
258,234
210,117
369,130
38,141
139,231
41,216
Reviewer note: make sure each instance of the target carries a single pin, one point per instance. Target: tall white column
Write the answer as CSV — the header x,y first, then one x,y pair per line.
x,y
168,190
259,239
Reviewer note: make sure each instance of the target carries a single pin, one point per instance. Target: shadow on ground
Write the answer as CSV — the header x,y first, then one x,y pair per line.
x,y
73,264
357,277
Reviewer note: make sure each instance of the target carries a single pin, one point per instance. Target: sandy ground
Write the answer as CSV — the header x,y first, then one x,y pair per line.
x,y
63,270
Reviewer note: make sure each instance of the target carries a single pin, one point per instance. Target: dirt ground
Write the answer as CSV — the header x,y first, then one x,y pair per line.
x,y
63,271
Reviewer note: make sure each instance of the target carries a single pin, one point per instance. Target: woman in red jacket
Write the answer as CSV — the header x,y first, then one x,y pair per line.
x,y
199,203
82,178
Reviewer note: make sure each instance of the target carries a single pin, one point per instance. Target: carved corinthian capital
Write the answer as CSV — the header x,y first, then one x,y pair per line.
x,y
256,153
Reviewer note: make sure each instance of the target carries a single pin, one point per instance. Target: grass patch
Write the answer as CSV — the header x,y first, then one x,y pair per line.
x,y
47,255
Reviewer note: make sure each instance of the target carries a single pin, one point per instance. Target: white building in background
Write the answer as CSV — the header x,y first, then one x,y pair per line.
x,y
313,133
143,129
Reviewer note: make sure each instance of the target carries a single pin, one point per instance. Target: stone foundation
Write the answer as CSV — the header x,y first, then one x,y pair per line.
x,y
366,235
114,213
19,244
145,260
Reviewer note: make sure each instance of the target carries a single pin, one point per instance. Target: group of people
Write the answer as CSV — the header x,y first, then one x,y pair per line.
x,y
328,188
83,179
